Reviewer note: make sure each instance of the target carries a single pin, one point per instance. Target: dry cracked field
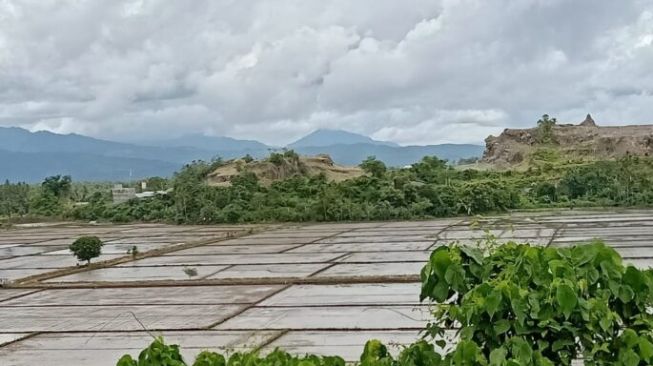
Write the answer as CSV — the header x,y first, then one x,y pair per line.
x,y
318,288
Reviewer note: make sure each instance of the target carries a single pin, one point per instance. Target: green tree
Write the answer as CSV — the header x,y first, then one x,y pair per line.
x,y
57,185
373,166
291,155
545,129
87,248
14,199
276,159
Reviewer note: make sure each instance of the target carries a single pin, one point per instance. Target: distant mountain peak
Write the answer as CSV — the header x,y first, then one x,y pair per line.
x,y
328,137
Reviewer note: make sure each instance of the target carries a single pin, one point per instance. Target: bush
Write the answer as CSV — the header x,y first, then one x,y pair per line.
x,y
276,159
486,196
161,354
523,305
87,248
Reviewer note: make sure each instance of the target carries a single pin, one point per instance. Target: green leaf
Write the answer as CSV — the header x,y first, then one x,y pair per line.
x,y
498,356
455,277
440,261
645,349
561,343
628,357
492,302
440,291
593,275
629,338
522,351
626,293
501,326
584,254
542,361
566,298
127,360
473,253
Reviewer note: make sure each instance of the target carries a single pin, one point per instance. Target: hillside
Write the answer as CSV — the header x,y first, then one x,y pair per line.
x,y
268,171
585,141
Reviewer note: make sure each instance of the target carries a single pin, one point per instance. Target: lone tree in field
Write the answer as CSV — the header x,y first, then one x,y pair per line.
x,y
87,248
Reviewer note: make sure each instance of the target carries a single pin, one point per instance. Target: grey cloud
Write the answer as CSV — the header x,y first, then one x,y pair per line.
x,y
415,72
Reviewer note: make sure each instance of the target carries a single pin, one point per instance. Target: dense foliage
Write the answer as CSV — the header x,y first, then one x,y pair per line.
x,y
429,188
511,305
523,305
86,248
375,353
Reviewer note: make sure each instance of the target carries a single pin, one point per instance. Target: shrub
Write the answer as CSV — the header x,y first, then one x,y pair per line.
x,y
87,248
161,354
276,159
374,167
485,196
523,305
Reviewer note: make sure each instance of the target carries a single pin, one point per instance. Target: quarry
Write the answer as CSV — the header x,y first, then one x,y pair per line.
x,y
584,141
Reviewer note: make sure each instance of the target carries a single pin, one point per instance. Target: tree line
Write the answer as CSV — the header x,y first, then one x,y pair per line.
x,y
429,188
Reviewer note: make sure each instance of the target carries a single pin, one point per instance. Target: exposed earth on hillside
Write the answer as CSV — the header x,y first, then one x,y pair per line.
x,y
268,171
586,141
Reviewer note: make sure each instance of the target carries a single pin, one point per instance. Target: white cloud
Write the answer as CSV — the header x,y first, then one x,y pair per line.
x,y
415,72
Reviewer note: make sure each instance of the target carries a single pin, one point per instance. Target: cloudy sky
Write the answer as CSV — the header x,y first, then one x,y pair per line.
x,y
410,71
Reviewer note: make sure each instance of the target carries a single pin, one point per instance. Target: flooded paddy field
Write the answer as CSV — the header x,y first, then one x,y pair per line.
x,y
315,288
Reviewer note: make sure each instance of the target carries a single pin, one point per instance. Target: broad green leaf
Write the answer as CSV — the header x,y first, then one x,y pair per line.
x,y
127,360
566,298
501,326
455,276
440,261
626,293
440,291
522,350
498,356
645,349
473,253
628,357
629,338
492,302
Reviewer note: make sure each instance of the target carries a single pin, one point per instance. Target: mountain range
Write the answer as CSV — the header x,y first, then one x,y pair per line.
x,y
31,156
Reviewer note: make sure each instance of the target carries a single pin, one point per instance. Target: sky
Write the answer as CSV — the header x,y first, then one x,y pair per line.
x,y
410,71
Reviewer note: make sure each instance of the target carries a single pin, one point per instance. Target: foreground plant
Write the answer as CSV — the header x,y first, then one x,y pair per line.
x,y
161,354
523,305
513,305
374,354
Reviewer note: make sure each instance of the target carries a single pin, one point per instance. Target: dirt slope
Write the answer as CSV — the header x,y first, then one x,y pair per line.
x,y
268,172
584,141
